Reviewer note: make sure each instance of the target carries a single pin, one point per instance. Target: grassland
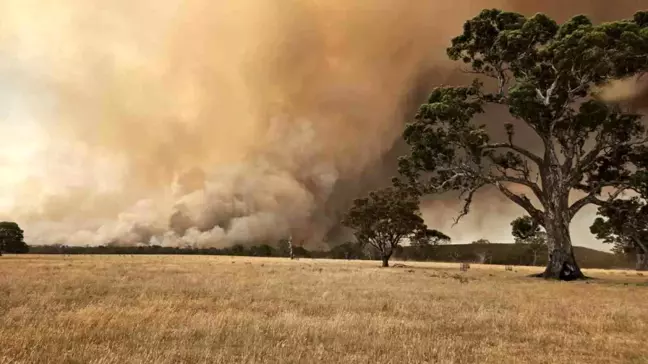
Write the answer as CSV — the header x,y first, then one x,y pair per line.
x,y
180,309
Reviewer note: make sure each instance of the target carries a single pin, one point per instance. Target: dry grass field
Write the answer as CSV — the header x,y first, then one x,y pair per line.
x,y
180,309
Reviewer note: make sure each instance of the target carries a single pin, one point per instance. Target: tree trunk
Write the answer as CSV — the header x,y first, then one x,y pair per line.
x,y
642,262
290,249
385,261
535,258
642,255
561,263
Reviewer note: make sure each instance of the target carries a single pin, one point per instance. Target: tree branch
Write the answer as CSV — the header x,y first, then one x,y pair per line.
x,y
535,158
641,245
524,182
523,202
592,198
448,181
504,177
395,241
466,207
590,158
546,99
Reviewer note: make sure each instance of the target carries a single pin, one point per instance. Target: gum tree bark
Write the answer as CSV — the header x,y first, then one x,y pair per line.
x,y
561,262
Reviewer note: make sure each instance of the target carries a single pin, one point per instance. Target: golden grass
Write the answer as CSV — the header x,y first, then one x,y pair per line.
x,y
179,309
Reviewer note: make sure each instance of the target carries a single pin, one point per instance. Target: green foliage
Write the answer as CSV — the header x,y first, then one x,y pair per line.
x,y
348,250
11,238
283,248
524,228
544,73
263,250
623,223
238,249
300,251
385,218
425,242
429,237
528,232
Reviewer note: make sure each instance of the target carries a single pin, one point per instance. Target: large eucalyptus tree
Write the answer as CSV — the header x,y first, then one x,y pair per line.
x,y
546,75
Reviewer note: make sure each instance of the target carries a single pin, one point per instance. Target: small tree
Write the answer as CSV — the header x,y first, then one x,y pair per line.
x,y
481,242
482,254
386,218
11,239
429,237
263,250
425,242
528,232
624,223
543,73
286,248
348,250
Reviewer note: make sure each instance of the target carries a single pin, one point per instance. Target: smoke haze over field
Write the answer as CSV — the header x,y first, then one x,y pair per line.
x,y
221,122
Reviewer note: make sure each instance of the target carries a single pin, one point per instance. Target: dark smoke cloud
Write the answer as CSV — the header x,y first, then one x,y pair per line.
x,y
214,123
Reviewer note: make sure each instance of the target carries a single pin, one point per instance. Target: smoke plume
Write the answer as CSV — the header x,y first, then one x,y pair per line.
x,y
211,123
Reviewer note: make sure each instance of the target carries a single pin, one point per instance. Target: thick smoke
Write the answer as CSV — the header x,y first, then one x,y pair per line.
x,y
221,122
218,122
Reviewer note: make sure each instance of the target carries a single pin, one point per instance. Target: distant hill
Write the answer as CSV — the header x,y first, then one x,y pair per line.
x,y
505,254
511,254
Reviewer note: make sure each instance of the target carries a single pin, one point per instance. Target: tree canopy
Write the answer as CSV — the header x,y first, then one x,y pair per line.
x,y
545,75
481,242
386,218
428,237
11,238
528,232
624,222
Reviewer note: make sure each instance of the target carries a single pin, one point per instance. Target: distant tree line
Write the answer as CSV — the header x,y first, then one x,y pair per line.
x,y
503,254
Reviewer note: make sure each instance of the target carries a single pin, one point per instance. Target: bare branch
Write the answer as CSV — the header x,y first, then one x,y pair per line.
x,y
592,198
535,158
546,98
466,207
464,70
525,181
586,162
498,73
522,201
393,243
602,145
449,181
